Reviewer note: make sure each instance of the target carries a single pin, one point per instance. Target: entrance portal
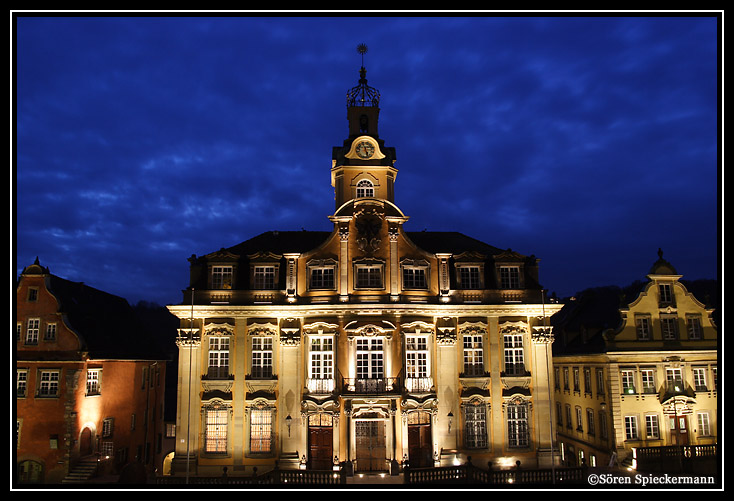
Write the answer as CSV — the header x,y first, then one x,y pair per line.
x,y
679,430
370,445
419,439
320,441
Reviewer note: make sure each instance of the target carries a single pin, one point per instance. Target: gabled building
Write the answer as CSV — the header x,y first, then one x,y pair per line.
x,y
89,382
367,347
643,374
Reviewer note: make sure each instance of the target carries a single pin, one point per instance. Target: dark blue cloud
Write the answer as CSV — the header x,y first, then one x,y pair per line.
x,y
587,141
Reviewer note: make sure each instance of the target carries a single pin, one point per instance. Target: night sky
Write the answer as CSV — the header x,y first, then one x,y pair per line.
x,y
589,142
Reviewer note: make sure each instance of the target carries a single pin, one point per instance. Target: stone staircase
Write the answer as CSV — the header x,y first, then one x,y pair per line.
x,y
85,469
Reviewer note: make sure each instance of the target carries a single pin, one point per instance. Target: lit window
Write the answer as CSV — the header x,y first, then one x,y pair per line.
x,y
630,428
218,357
473,355
514,361
704,426
93,382
49,384
648,380
221,277
32,330
628,381
260,430
262,357
517,425
699,378
365,189
215,432
475,426
674,378
21,382
416,363
107,427
370,359
652,428
321,365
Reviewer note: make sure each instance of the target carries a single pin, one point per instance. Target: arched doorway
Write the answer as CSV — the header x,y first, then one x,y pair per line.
x,y
30,472
419,439
320,441
167,462
86,444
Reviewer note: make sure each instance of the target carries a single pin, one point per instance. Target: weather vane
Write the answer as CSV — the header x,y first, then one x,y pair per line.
x,y
362,49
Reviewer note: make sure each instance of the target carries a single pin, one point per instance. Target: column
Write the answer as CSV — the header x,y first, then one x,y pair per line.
x,y
343,262
542,339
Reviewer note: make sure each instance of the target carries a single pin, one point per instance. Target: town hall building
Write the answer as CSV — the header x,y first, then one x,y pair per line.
x,y
367,347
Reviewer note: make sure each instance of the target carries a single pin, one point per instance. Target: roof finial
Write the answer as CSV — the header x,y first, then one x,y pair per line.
x,y
362,49
660,252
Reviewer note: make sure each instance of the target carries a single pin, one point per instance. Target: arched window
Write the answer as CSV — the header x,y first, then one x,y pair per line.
x,y
365,188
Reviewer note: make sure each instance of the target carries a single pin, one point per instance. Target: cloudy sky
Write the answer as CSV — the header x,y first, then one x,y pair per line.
x,y
589,142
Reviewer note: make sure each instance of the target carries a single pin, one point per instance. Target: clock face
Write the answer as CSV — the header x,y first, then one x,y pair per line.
x,y
365,149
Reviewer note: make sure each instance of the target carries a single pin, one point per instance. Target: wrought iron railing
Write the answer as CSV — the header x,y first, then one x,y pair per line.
x,y
372,386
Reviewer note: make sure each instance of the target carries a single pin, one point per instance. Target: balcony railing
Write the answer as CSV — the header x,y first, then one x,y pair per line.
x,y
418,384
320,386
217,372
372,386
474,370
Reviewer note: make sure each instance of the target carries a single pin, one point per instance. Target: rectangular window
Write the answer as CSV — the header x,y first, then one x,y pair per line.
x,y
475,426
648,380
569,419
369,277
107,448
216,431
517,425
576,382
414,278
579,422
473,355
370,362
600,382
321,365
628,381
50,334
218,357
565,378
322,278
590,425
264,277
221,277
49,384
630,428
469,277
652,428
509,277
699,378
108,425
170,430
674,378
669,326
603,425
704,426
587,381
416,363
21,382
665,294
32,330
93,387
260,430
32,294
642,324
514,361
262,357
694,327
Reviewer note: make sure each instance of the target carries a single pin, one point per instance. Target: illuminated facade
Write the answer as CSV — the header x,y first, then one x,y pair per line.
x,y
366,347
86,386
650,381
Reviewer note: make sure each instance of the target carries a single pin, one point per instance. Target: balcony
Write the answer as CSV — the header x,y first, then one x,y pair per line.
x,y
372,386
321,386
217,372
419,384
474,370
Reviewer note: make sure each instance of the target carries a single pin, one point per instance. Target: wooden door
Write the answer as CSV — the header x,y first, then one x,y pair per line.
x,y
419,446
320,447
679,430
370,445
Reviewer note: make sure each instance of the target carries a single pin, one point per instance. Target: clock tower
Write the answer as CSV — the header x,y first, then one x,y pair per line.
x,y
363,167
